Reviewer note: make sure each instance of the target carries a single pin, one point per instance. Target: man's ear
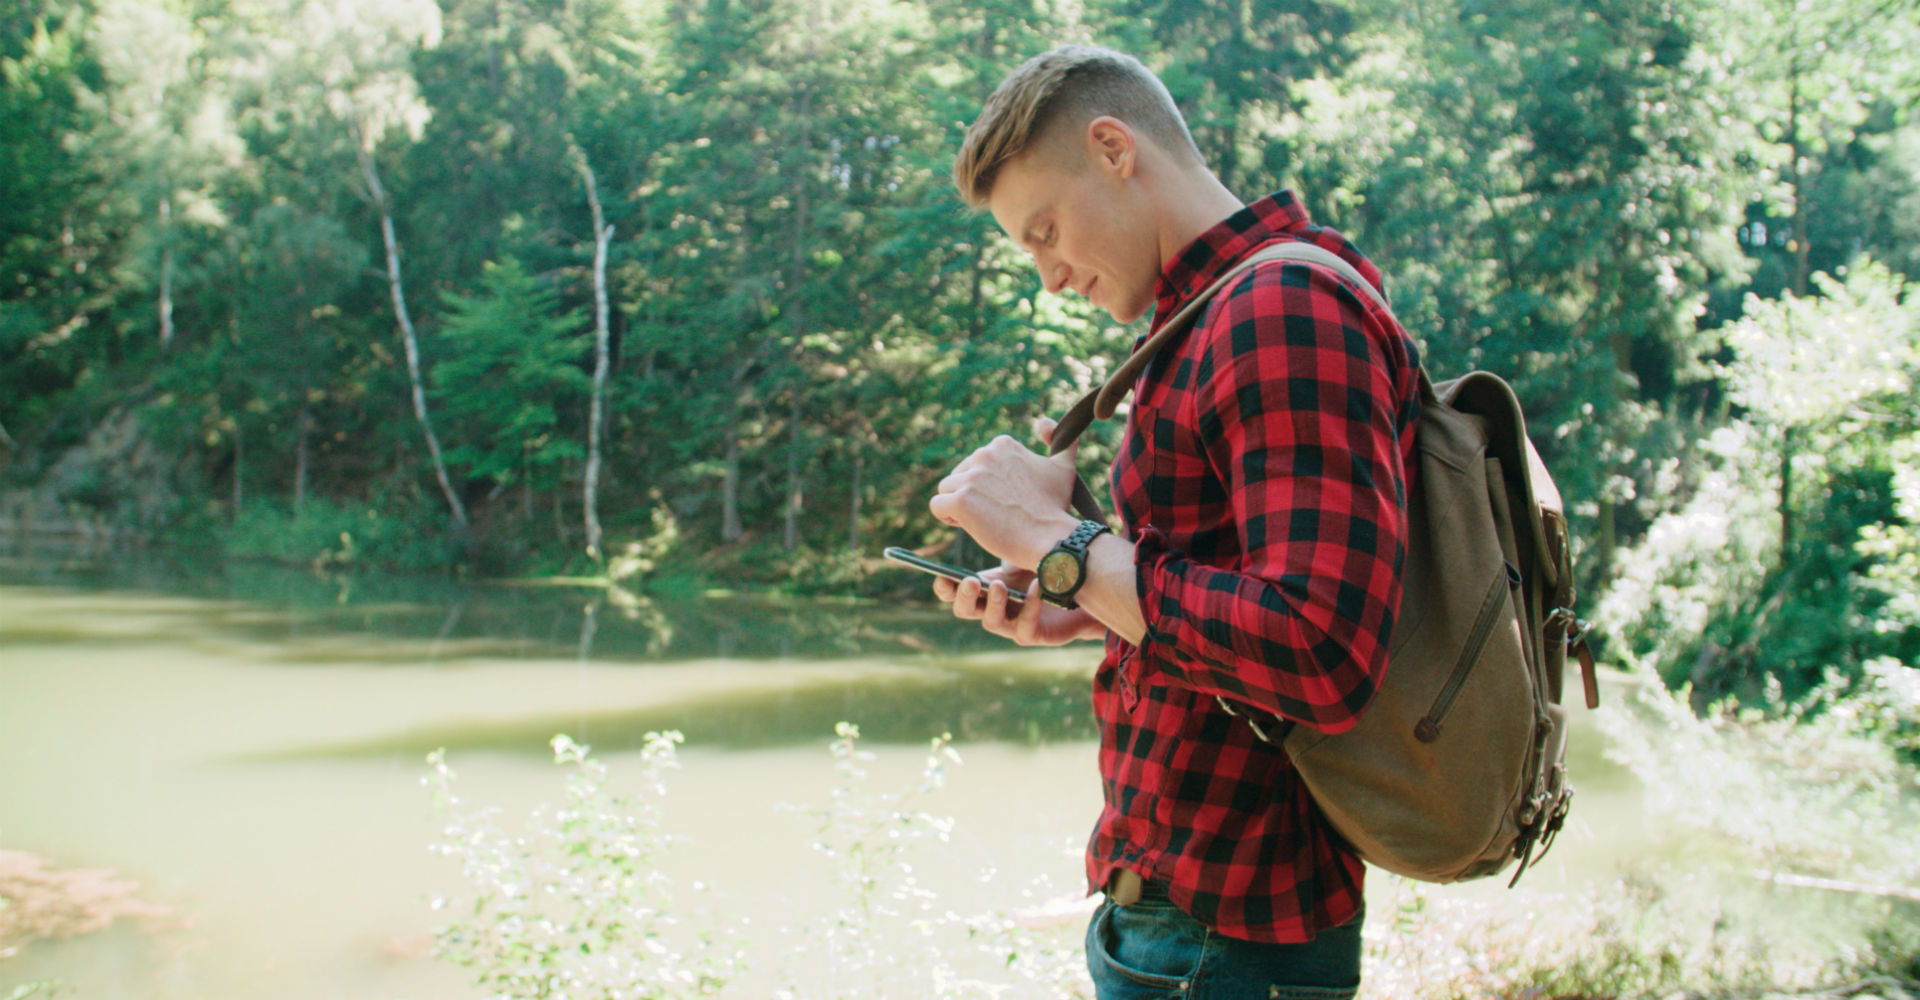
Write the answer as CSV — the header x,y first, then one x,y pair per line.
x,y
1113,144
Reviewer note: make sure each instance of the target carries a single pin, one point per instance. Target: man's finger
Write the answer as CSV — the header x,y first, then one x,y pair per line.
x,y
945,508
966,600
1043,428
1027,625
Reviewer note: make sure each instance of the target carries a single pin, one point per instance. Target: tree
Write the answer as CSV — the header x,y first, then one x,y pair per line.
x,y
1807,76
168,133
513,357
1233,66
55,251
1545,186
350,61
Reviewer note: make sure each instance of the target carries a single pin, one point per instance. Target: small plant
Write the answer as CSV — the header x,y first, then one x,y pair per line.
x,y
868,837
576,907
890,937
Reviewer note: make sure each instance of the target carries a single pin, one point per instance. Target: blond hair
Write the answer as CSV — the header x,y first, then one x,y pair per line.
x,y
1067,86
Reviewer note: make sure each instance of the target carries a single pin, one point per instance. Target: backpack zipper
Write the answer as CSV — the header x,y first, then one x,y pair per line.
x,y
1428,728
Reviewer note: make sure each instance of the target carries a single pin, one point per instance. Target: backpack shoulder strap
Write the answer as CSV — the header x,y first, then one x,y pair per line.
x,y
1099,403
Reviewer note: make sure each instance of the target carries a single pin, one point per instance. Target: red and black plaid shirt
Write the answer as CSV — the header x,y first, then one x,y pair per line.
x,y
1262,477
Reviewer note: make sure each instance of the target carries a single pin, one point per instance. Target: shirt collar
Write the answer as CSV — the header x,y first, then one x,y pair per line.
x,y
1214,251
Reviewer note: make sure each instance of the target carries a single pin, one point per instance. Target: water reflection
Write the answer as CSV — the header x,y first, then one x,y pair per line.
x,y
414,617
973,705
903,673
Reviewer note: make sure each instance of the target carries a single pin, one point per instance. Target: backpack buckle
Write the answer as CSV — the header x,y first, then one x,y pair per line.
x,y
1574,630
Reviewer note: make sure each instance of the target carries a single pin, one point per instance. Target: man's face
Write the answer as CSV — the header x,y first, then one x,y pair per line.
x,y
1082,227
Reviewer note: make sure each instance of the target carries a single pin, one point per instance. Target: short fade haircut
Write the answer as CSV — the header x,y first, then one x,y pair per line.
x,y
1066,86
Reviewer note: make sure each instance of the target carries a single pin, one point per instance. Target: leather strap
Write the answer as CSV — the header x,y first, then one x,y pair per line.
x,y
1099,403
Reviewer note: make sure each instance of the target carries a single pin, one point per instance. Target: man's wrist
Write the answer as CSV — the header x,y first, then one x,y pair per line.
x,y
1046,536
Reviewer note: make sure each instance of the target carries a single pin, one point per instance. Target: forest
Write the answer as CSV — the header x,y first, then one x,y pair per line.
x,y
681,289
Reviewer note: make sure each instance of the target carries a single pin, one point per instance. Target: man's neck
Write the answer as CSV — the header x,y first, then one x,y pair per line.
x,y
1195,203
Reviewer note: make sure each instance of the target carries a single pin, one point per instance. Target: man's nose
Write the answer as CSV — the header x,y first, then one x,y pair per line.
x,y
1058,275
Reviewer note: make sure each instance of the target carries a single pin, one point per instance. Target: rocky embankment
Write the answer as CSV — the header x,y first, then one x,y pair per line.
x,y
115,485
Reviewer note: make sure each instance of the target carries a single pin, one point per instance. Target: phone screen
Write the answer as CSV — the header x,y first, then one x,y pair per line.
x,y
907,557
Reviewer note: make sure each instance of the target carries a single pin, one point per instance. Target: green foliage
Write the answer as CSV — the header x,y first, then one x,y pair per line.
x,y
1792,554
512,362
326,534
1808,786
808,329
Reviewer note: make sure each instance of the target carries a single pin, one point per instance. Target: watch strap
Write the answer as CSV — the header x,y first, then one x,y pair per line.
x,y
1074,545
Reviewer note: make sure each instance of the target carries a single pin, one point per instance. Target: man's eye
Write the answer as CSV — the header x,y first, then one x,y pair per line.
x,y
1052,237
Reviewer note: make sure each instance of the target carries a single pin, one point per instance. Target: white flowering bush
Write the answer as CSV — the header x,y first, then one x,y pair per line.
x,y
890,935
1710,554
575,907
1803,788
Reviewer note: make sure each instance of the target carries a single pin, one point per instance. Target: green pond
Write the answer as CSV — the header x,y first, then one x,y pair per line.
x,y
248,745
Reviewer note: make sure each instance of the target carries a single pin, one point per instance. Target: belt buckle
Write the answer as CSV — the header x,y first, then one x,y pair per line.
x,y
1123,888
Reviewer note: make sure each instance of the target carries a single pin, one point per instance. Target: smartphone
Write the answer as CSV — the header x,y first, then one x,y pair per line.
x,y
906,557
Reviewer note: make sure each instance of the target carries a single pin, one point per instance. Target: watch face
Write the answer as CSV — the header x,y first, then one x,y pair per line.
x,y
1059,572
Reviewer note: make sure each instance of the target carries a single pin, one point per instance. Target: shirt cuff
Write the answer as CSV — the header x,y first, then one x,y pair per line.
x,y
1151,579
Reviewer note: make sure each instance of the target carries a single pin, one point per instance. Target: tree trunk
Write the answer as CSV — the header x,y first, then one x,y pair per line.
x,y
1786,495
795,487
1796,153
853,503
602,348
239,469
379,195
730,529
526,494
796,439
166,272
303,429
1797,225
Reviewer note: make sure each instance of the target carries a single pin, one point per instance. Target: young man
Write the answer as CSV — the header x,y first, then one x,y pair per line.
x,y
1262,487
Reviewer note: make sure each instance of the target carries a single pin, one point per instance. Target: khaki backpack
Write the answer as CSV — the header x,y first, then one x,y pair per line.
x,y
1458,766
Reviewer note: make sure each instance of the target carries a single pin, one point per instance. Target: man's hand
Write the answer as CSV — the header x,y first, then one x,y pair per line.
x,y
1012,500
1036,623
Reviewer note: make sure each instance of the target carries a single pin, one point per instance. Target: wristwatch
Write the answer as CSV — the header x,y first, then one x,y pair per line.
x,y
1063,571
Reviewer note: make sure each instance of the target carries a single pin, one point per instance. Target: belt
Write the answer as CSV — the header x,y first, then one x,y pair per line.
x,y
1125,888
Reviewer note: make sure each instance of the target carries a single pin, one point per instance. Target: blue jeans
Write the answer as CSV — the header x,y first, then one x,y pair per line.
x,y
1151,950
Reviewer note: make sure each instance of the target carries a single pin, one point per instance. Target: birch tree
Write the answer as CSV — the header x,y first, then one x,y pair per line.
x,y
351,60
602,358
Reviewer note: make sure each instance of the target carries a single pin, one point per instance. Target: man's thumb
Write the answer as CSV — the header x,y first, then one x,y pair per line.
x,y
1043,428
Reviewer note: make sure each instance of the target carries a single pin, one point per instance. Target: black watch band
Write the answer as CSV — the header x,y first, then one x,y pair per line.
x,y
1063,571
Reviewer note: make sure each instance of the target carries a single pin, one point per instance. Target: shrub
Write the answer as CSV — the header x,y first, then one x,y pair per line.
x,y
576,906
326,534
